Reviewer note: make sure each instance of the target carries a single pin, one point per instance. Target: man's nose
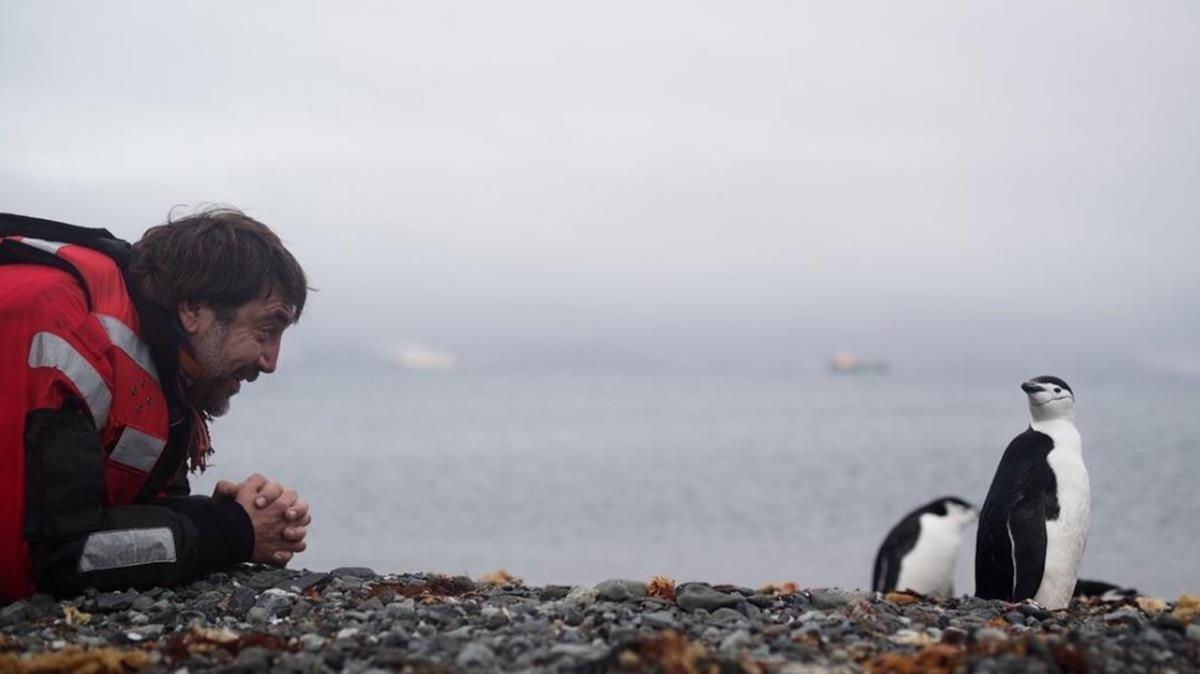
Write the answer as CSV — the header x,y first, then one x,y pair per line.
x,y
269,358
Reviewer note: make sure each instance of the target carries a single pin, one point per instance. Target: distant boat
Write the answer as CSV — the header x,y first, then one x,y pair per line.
x,y
844,362
415,356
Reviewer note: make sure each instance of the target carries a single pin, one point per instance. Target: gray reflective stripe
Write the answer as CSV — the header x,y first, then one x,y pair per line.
x,y
125,339
48,246
50,350
137,449
127,547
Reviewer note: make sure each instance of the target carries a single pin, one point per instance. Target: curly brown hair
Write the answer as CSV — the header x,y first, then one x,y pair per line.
x,y
217,256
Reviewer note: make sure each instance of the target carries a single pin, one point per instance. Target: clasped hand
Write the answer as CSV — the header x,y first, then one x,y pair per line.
x,y
280,517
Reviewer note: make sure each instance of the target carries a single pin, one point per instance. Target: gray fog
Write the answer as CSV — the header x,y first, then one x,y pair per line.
x,y
955,187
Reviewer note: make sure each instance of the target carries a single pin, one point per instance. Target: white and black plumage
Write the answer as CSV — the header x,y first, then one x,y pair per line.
x,y
1034,524
1104,591
919,553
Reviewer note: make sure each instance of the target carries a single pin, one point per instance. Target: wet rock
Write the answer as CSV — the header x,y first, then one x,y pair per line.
x,y
620,590
554,592
694,596
475,656
729,616
360,572
251,661
735,642
826,599
303,582
660,620
109,602
581,596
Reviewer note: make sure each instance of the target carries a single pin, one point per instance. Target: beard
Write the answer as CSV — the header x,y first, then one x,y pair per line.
x,y
210,392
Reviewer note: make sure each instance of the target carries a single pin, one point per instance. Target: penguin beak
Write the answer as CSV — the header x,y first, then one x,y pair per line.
x,y
1030,387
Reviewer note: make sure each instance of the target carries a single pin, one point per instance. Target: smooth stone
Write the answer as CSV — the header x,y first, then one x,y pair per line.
x,y
581,595
253,659
580,651
1034,611
693,596
360,572
301,583
347,633
826,599
735,642
475,655
730,616
660,620
257,614
762,600
395,639
390,658
335,659
494,617
554,592
1015,617
616,589
990,635
313,642
1193,632
109,602
14,613
402,610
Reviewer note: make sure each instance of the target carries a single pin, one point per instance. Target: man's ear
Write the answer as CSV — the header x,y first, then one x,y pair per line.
x,y
194,316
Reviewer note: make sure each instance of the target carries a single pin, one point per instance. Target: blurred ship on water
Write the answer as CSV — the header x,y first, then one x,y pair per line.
x,y
417,356
845,362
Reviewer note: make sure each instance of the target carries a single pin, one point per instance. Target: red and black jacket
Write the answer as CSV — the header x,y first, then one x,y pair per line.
x,y
93,438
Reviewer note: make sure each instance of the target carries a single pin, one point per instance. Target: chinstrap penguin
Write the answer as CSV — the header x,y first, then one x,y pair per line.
x,y
1104,591
919,553
1034,524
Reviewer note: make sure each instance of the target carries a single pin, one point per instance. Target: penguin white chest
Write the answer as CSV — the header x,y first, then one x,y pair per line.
x,y
929,567
1066,535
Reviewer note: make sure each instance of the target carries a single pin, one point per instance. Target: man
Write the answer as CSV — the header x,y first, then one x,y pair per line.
x,y
113,358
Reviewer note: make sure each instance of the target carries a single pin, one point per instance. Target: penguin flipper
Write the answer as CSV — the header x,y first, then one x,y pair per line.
x,y
1027,532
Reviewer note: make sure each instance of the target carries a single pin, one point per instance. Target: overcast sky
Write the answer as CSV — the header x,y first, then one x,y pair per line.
x,y
917,181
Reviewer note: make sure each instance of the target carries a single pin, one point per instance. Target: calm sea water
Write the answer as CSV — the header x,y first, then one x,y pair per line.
x,y
577,478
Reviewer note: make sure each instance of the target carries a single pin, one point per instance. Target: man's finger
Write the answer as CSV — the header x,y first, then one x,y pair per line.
x,y
288,498
225,489
298,512
281,558
254,482
295,533
267,495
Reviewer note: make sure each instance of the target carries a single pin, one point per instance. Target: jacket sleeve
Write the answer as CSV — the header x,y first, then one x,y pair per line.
x,y
76,544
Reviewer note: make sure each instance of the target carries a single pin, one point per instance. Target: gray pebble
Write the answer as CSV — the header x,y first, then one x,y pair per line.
x,y
313,642
344,572
616,589
990,635
660,620
693,596
729,616
475,656
734,643
1193,632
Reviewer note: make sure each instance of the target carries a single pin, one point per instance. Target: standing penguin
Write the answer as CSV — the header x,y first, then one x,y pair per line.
x,y
918,554
1034,524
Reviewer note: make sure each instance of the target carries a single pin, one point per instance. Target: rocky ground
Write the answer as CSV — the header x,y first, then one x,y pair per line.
x,y
258,619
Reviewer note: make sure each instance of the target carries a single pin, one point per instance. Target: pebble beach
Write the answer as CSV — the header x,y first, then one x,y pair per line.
x,y
258,619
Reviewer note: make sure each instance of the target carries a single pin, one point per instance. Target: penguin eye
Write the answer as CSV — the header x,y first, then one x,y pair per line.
x,y
1057,390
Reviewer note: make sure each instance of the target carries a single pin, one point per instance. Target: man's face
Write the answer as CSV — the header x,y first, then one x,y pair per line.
x,y
235,351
